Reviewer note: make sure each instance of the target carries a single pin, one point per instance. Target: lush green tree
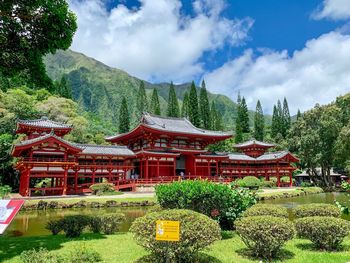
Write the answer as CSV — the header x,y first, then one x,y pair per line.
x,y
141,101
155,106
215,118
238,123
184,108
274,124
204,106
286,120
29,30
193,110
173,104
259,122
244,116
124,118
298,114
64,89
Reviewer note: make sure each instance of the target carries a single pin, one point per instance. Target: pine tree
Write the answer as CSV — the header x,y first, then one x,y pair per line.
x,y
141,101
155,106
280,123
64,89
274,124
239,131
285,118
259,122
173,104
124,118
184,108
298,115
204,107
193,110
244,116
213,116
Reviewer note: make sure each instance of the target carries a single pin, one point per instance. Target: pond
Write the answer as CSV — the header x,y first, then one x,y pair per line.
x,y
32,223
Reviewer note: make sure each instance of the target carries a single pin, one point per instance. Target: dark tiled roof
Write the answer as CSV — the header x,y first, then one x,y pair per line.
x,y
181,125
105,150
44,122
264,157
253,142
44,137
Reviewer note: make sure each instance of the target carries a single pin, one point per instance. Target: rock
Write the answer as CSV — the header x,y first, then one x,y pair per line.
x,y
80,204
111,203
41,205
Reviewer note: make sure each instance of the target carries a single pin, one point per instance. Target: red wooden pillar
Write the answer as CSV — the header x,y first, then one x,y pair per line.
x,y
146,169
157,167
65,181
217,167
290,179
278,175
208,167
174,166
76,180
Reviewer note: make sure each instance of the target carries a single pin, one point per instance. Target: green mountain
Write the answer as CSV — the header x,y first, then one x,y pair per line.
x,y
99,88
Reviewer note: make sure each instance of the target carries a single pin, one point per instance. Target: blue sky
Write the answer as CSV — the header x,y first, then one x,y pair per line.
x,y
267,50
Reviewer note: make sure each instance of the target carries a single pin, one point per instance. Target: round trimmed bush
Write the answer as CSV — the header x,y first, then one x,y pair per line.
x,y
197,231
265,235
316,210
55,226
74,225
249,182
326,232
266,210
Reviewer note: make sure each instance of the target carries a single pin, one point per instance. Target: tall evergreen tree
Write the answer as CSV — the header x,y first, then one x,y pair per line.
x,y
204,107
239,131
141,100
244,116
298,114
193,110
184,108
64,89
124,118
155,106
259,122
215,118
285,118
274,124
173,104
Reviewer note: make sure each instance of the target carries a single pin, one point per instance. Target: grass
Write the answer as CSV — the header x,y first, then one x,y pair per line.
x,y
121,248
291,192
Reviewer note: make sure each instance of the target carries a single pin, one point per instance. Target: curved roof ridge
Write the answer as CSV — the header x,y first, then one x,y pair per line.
x,y
44,122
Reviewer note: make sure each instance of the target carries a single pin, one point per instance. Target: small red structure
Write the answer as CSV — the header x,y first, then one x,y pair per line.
x,y
158,150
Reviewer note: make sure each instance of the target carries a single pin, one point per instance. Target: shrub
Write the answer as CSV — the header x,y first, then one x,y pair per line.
x,y
325,232
55,226
285,179
306,184
265,235
316,210
81,254
267,184
196,232
4,191
42,255
266,210
217,201
102,188
107,224
74,225
249,182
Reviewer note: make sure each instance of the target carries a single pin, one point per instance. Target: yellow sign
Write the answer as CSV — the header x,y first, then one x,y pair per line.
x,y
167,230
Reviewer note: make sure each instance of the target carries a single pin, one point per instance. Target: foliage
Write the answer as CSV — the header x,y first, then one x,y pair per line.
x,y
55,226
83,254
268,184
74,225
259,122
325,232
4,191
265,235
197,231
42,255
124,118
155,106
101,188
218,201
141,103
29,31
184,107
248,182
286,120
193,110
173,104
215,118
106,224
204,107
308,210
266,210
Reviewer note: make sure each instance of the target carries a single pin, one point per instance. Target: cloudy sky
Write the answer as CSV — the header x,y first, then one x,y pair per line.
x,y
267,49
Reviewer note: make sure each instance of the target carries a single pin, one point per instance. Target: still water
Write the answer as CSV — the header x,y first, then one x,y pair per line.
x,y
32,223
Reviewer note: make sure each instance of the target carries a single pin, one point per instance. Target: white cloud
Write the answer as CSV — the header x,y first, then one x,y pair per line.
x,y
333,9
157,41
316,74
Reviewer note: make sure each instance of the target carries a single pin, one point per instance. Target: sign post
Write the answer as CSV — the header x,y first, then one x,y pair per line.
x,y
167,230
8,211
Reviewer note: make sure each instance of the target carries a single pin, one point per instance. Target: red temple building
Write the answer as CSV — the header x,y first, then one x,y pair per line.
x,y
158,150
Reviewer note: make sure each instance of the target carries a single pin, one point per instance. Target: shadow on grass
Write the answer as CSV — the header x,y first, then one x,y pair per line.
x,y
282,255
313,248
200,258
11,247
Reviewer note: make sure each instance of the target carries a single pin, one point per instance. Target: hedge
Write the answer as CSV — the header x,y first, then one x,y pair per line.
x,y
266,210
316,210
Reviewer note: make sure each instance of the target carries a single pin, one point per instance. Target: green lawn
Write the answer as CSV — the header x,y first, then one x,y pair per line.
x,y
121,248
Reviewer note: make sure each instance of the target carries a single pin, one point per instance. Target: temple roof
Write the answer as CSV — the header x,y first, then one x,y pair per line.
x,y
44,122
105,150
253,142
264,157
171,125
